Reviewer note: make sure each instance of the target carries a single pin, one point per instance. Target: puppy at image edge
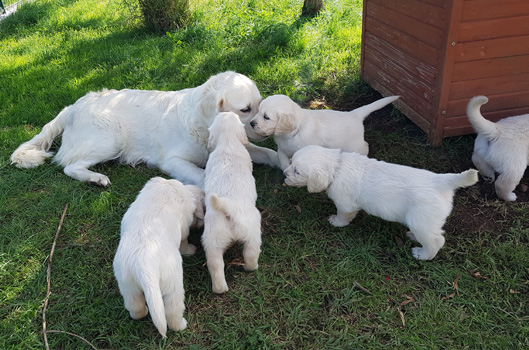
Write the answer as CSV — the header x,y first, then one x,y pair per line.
x,y
501,147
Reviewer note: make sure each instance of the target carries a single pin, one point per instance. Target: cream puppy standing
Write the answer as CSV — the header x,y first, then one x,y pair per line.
x,y
148,264
231,214
417,198
501,147
294,128
165,129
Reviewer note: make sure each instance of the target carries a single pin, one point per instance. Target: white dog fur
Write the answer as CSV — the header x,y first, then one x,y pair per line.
x,y
294,128
231,214
501,147
148,264
165,129
417,198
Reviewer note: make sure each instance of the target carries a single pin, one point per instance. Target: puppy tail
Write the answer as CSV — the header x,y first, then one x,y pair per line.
x,y
219,204
480,124
35,151
153,297
464,179
364,111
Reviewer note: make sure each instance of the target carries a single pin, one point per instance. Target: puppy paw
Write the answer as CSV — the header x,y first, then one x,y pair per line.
x,y
411,236
221,288
335,221
509,197
187,249
421,254
177,325
136,315
251,266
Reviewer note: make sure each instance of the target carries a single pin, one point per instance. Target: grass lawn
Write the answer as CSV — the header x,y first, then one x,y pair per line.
x,y
317,287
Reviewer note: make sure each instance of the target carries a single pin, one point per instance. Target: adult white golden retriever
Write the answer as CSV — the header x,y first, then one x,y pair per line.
x,y
165,129
417,198
294,128
231,215
501,147
148,264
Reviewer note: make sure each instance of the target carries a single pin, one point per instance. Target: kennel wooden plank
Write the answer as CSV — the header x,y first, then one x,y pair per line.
x,y
494,48
382,50
437,3
489,86
511,65
478,10
374,74
403,42
410,26
495,28
418,10
496,103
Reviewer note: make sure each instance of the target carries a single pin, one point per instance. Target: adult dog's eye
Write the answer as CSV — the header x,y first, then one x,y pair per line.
x,y
247,109
266,117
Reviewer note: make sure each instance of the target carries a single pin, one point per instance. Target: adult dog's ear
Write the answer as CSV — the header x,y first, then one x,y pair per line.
x,y
211,103
319,179
286,123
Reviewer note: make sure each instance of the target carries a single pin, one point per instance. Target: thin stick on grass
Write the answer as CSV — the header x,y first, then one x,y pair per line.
x,y
365,290
48,289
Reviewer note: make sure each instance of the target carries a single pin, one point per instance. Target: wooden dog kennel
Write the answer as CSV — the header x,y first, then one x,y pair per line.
x,y
437,54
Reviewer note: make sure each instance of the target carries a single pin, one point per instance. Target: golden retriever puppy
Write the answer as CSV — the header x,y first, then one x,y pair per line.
x,y
417,198
294,128
165,129
231,214
148,264
501,147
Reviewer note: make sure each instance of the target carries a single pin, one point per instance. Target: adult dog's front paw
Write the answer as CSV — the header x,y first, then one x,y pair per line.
x,y
335,221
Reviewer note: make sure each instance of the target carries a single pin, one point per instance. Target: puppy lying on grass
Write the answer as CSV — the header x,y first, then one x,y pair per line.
x,y
148,264
417,198
501,147
231,214
294,128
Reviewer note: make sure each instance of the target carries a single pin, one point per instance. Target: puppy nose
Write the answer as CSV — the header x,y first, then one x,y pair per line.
x,y
252,124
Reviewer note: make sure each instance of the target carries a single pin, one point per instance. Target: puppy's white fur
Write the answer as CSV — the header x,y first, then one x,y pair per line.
x,y
294,128
501,147
231,214
417,198
165,129
148,264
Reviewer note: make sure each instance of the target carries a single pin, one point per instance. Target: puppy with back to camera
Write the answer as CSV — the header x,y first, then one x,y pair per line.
x,y
148,262
231,214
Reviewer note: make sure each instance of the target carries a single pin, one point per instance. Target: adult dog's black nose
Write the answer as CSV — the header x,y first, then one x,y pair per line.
x,y
252,124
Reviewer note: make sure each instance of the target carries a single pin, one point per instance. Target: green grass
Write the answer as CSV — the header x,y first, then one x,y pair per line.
x,y
303,296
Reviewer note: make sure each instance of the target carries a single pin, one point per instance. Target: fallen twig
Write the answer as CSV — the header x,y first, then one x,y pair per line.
x,y
48,290
361,288
48,275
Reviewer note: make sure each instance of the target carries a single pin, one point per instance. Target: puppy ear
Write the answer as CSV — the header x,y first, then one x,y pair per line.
x,y
285,124
212,141
241,135
318,180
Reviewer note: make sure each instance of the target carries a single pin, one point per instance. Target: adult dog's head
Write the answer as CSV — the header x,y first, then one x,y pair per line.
x,y
276,116
227,127
230,92
314,167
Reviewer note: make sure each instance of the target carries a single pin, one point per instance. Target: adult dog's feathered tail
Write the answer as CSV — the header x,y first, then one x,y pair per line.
x,y
480,124
35,151
364,111
455,181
